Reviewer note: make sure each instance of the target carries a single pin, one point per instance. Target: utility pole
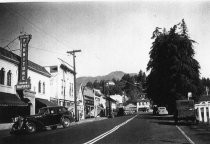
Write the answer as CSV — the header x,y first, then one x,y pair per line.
x,y
75,96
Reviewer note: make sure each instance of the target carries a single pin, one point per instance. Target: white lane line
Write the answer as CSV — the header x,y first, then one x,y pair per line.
x,y
109,132
189,140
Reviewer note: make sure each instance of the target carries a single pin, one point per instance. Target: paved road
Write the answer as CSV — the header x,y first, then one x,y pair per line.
x,y
141,129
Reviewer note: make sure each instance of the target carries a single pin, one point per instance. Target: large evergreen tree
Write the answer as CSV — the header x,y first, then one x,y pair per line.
x,y
173,70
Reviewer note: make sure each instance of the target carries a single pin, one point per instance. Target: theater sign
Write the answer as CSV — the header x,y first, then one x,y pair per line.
x,y
24,82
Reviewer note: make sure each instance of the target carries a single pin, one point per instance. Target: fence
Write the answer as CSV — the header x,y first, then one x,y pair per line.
x,y
203,112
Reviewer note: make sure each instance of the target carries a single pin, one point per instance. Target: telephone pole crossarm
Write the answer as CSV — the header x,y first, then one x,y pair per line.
x,y
75,96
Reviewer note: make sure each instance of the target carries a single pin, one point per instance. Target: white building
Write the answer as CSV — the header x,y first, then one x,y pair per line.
x,y
8,72
80,102
143,104
117,98
19,102
62,83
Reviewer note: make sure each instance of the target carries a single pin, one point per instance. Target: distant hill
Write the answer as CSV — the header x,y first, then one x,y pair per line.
x,y
116,75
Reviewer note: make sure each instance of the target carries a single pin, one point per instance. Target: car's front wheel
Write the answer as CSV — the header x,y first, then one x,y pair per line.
x,y
30,127
65,122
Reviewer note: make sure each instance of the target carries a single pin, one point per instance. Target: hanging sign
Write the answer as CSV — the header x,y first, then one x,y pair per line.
x,y
23,82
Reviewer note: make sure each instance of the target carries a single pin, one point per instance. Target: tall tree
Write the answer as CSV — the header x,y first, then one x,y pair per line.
x,y
173,70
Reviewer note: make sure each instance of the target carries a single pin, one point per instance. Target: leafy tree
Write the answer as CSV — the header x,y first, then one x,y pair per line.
x,y
173,70
89,84
205,85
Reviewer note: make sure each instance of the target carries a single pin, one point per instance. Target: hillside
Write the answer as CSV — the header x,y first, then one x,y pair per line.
x,y
116,75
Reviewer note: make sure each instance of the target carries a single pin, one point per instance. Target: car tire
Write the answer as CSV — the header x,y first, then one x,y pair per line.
x,y
65,122
30,127
53,127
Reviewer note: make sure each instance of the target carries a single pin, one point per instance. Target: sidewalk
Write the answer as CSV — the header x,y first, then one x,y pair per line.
x,y
6,126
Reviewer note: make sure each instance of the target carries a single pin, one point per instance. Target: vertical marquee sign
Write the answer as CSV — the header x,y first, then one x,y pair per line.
x,y
24,82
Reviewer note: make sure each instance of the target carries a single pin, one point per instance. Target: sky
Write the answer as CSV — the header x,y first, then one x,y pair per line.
x,y
112,36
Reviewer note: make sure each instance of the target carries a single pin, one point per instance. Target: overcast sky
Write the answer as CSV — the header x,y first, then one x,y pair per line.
x,y
112,35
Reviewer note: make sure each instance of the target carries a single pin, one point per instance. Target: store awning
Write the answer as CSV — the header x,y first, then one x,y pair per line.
x,y
7,99
45,102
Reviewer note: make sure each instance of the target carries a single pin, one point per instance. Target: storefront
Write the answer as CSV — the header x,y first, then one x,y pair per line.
x,y
11,106
89,107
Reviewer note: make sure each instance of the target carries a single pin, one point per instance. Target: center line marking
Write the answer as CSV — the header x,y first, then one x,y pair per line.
x,y
189,140
109,132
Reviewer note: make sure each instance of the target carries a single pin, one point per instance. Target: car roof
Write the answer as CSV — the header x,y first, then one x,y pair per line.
x,y
52,107
162,107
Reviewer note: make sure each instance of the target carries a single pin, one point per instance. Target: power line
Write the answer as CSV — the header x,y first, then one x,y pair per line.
x,y
46,50
30,47
10,43
27,20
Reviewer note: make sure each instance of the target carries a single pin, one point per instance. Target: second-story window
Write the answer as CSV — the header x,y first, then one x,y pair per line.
x,y
69,89
72,89
2,76
9,75
43,87
39,87
61,87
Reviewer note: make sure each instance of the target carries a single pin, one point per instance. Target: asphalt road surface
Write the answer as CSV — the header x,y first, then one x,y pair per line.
x,y
135,129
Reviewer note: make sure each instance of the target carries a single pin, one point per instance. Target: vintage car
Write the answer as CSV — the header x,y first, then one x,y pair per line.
x,y
162,111
46,117
185,111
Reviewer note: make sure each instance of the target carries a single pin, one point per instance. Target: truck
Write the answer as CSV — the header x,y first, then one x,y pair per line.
x,y
185,111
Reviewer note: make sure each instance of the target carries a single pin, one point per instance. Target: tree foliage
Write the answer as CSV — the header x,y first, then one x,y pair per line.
x,y
132,86
173,70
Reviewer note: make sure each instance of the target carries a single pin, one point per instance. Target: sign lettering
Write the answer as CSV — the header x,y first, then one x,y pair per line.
x,y
23,82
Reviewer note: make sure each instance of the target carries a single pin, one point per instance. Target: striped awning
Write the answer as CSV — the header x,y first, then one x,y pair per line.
x,y
8,99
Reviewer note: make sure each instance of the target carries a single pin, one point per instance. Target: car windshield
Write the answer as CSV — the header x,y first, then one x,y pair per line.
x,y
42,111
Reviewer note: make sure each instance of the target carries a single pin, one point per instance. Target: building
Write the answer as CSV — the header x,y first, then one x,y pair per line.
x,y
130,108
62,84
111,106
21,102
88,95
80,102
40,85
118,99
10,102
143,103
99,103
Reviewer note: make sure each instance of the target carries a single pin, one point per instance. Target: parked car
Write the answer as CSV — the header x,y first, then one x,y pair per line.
x,y
46,117
185,111
162,111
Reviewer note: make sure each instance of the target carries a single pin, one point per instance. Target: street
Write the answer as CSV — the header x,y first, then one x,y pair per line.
x,y
142,128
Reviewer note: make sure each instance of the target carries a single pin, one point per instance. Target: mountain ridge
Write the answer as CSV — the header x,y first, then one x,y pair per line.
x,y
115,74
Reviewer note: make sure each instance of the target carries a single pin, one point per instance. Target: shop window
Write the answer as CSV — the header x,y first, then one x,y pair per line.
x,y
43,88
2,76
9,74
39,87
